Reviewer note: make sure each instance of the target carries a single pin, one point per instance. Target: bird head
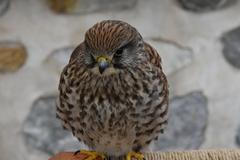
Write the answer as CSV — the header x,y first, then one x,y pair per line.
x,y
112,46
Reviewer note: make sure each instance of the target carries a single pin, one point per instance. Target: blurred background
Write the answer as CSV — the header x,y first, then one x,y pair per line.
x,y
198,40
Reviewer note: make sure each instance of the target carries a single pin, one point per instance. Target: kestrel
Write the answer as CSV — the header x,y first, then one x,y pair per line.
x,y
113,92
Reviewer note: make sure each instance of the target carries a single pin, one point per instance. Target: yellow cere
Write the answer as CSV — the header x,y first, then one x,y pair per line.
x,y
103,58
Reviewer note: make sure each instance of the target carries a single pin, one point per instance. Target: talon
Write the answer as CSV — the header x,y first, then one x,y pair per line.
x,y
135,155
75,153
91,155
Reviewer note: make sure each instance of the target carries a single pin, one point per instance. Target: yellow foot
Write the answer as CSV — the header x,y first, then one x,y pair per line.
x,y
135,156
92,155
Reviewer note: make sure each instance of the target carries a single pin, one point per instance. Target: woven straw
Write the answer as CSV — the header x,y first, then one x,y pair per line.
x,y
195,155
179,155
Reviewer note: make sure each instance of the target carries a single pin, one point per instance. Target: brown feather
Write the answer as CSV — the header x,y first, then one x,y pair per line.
x,y
119,112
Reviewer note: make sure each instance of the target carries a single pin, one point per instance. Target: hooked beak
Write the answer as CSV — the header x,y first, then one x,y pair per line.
x,y
103,63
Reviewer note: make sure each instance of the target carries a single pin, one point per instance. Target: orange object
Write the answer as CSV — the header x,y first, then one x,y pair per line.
x,y
70,156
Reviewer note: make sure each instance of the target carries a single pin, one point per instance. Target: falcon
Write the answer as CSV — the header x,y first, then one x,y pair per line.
x,y
113,93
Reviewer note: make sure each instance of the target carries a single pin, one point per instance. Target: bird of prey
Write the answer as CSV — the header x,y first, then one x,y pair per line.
x,y
113,93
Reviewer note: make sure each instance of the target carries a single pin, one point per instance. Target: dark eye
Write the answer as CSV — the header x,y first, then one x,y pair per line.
x,y
92,58
119,52
90,61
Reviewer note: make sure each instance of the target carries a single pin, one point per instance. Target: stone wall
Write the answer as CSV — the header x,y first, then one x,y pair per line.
x,y
198,40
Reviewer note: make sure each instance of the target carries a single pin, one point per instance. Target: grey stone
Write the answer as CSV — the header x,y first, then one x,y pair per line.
x,y
205,5
4,5
174,55
231,47
89,6
238,136
42,131
59,58
188,119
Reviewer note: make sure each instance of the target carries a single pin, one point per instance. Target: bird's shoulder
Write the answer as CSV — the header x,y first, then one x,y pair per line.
x,y
155,59
78,52
153,55
69,71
